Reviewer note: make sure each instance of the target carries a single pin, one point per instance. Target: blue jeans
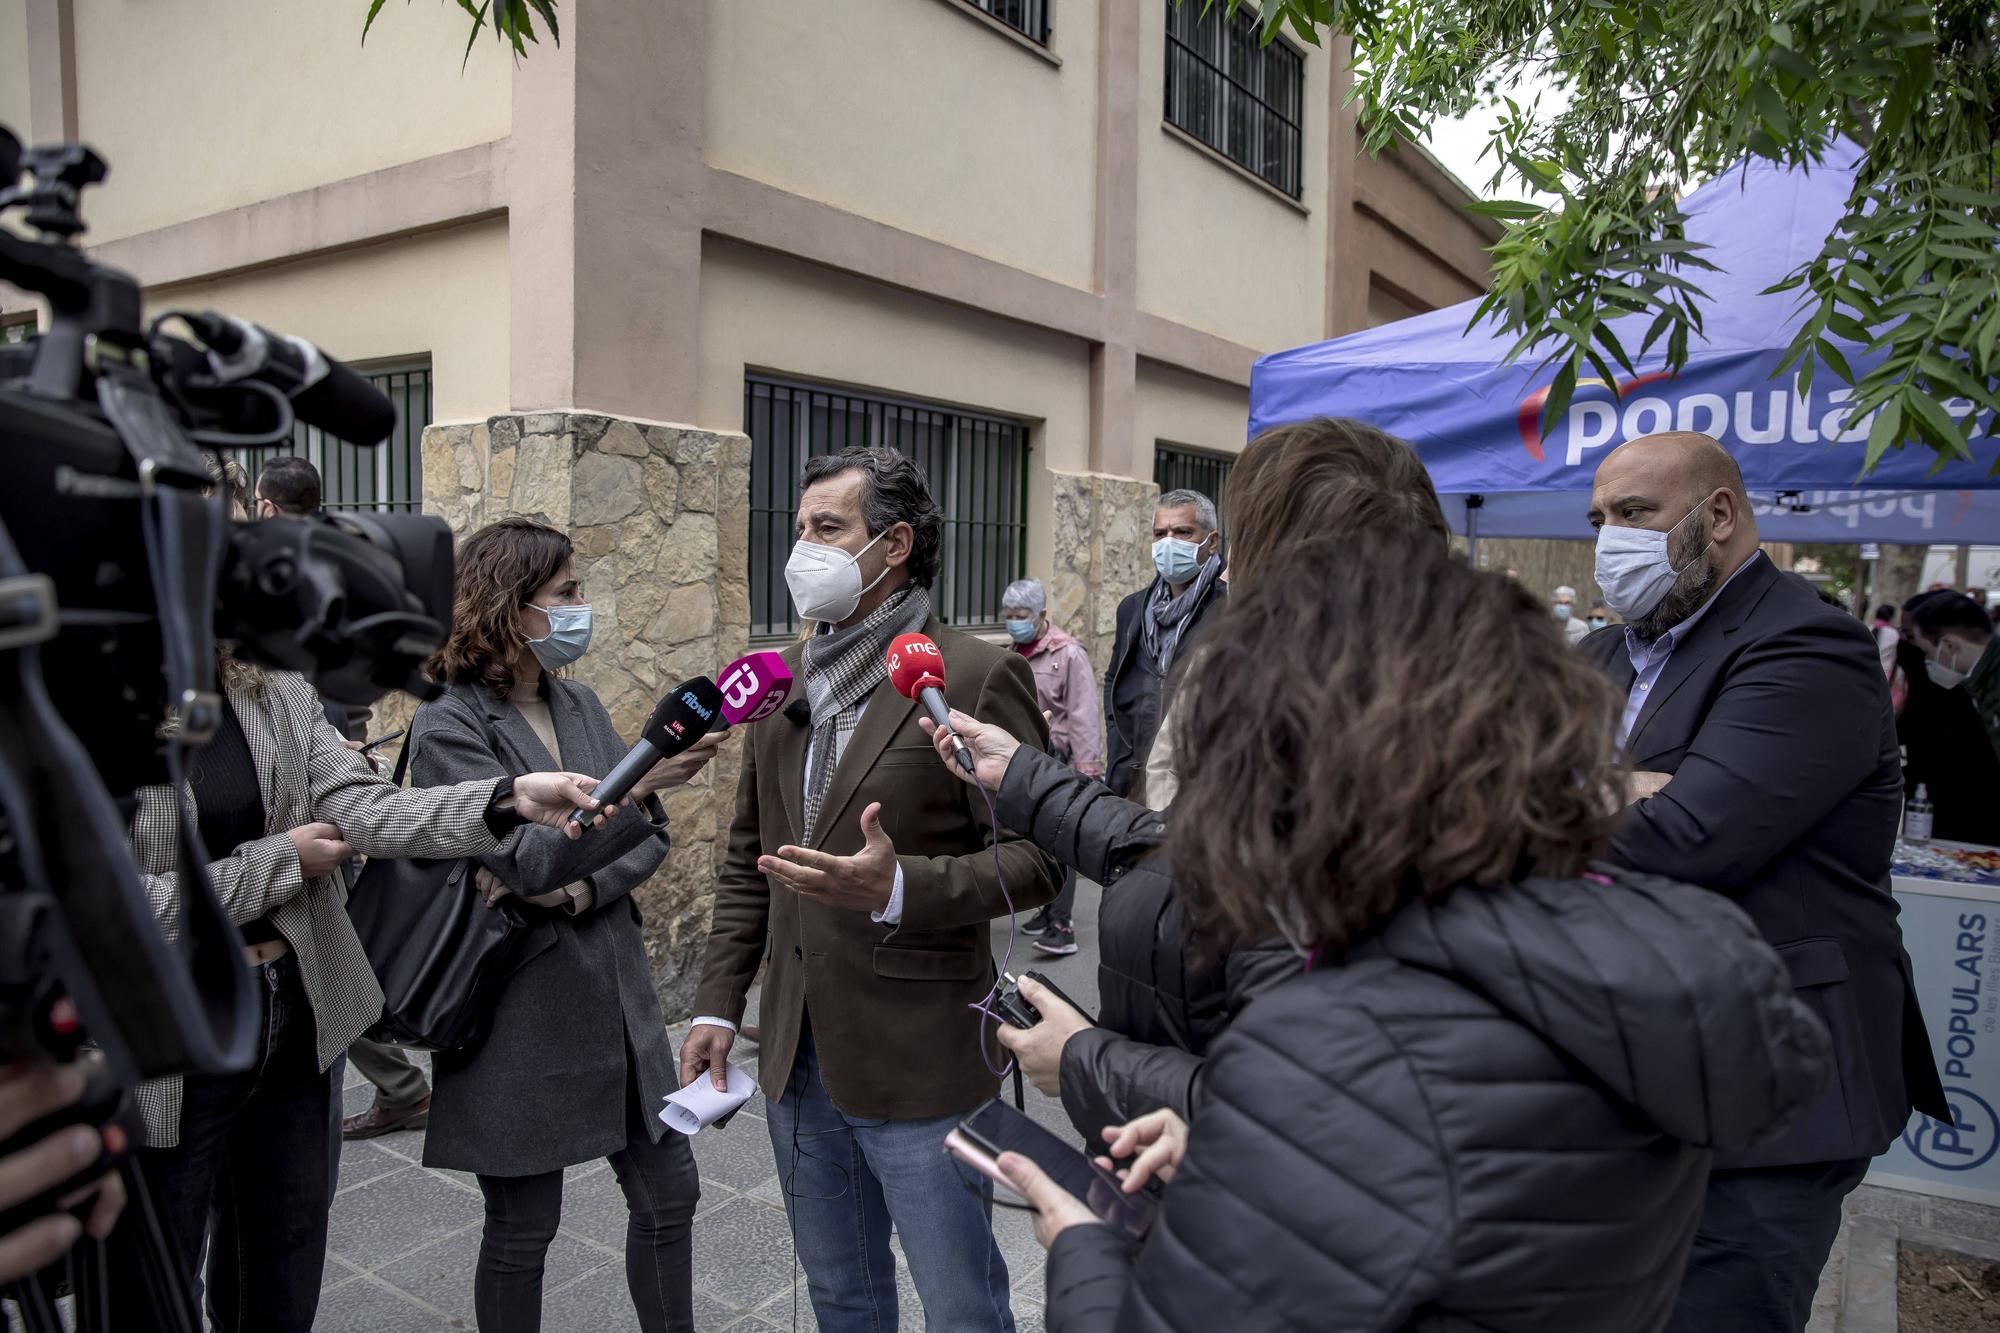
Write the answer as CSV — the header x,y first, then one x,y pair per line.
x,y
846,1179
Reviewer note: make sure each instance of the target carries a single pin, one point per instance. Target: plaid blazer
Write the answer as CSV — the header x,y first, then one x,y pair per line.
x,y
306,776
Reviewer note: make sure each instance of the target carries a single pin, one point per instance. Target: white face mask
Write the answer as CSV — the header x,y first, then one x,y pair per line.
x,y
1941,675
825,581
1633,568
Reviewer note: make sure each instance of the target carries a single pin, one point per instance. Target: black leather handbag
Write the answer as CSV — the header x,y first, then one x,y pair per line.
x,y
439,951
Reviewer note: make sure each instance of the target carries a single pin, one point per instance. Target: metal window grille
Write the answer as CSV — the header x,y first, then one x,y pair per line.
x,y
1239,96
389,476
1028,17
978,470
1177,468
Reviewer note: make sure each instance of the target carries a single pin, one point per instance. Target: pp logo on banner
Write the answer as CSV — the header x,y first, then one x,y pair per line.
x,y
1967,1143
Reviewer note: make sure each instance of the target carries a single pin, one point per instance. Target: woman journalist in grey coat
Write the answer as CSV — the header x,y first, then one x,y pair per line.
x,y
576,1061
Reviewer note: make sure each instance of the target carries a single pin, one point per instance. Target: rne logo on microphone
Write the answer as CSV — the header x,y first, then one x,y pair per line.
x,y
924,648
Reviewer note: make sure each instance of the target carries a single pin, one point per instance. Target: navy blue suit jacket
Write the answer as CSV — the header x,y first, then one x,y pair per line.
x,y
1774,719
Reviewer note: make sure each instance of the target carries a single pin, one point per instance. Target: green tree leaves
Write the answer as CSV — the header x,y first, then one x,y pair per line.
x,y
1659,95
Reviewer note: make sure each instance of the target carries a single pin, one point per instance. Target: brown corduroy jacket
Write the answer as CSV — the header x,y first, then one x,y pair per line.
x,y
889,1005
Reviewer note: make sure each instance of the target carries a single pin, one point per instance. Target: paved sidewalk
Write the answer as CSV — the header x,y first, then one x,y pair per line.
x,y
405,1239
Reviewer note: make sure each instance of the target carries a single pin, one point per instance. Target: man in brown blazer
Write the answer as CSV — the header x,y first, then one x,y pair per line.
x,y
871,879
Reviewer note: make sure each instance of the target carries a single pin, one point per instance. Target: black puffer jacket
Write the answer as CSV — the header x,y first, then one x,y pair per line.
x,y
1496,1114
1164,999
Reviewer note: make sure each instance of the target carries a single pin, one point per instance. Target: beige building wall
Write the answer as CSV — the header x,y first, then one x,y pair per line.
x,y
767,313
433,295
889,195
14,68
914,114
205,105
1218,249
1175,407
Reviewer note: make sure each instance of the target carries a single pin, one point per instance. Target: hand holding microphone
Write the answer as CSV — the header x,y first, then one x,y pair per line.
x,y
677,769
753,688
680,719
991,748
686,727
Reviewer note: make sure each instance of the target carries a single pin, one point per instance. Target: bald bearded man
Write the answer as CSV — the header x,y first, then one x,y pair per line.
x,y
1765,764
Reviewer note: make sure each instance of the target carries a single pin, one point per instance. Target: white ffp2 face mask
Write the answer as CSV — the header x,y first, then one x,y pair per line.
x,y
1633,568
1942,676
825,581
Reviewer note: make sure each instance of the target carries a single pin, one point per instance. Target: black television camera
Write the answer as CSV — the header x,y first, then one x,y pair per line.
x,y
120,569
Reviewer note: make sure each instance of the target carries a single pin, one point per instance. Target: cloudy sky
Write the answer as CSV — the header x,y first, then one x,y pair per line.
x,y
1458,144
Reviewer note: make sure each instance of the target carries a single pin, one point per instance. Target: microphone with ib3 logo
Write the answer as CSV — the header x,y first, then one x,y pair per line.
x,y
753,687
916,669
687,713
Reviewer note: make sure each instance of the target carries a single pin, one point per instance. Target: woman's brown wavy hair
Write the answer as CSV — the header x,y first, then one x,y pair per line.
x,y
499,568
1326,475
1385,726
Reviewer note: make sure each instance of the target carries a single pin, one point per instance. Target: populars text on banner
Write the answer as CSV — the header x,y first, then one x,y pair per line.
x,y
1952,932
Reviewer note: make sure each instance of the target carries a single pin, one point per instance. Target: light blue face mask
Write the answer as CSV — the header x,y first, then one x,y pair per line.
x,y
1021,631
567,639
1176,559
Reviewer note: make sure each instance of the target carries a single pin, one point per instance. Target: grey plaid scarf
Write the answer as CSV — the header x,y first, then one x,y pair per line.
x,y
1165,617
843,667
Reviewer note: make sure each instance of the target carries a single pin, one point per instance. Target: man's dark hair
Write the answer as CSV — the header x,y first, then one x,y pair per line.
x,y
1886,611
291,483
1948,612
895,490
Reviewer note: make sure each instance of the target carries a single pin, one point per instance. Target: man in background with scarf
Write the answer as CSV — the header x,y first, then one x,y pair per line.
x,y
1156,627
872,884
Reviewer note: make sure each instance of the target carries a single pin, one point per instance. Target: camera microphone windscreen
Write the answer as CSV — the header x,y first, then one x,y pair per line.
x,y
346,406
323,392
686,714
754,687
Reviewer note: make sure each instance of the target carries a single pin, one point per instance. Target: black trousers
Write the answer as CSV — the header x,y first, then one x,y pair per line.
x,y
253,1157
1763,1237
522,1214
1063,909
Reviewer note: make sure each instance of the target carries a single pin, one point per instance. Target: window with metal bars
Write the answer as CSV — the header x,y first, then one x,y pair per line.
x,y
1239,96
1178,468
978,469
1030,18
389,476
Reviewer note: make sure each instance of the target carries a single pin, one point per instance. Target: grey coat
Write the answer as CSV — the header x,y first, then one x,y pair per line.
x,y
579,1020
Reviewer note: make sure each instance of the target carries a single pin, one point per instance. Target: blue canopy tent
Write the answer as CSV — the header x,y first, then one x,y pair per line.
x,y
1502,472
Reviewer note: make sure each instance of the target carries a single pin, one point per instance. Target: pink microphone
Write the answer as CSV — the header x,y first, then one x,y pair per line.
x,y
753,687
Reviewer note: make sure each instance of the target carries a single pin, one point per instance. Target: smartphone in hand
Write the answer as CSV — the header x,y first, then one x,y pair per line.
x,y
997,1128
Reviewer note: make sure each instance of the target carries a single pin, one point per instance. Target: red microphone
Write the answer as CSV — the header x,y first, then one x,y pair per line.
x,y
916,669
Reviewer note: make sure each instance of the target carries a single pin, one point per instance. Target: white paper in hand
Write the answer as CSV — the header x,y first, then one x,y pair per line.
x,y
699,1104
